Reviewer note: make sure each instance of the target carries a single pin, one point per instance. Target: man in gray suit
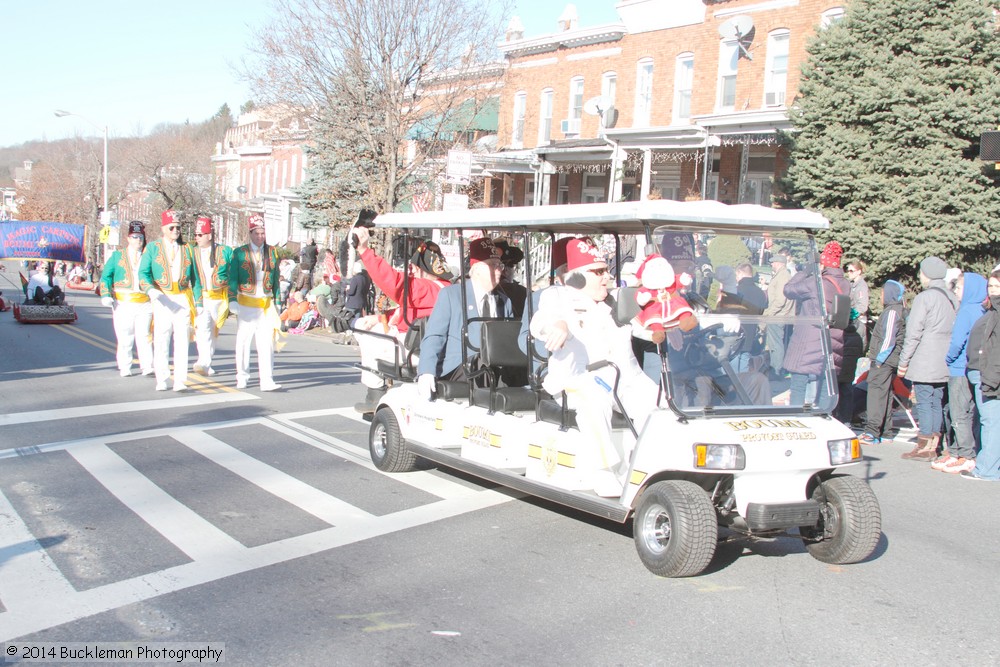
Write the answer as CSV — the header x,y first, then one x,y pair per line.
x,y
441,347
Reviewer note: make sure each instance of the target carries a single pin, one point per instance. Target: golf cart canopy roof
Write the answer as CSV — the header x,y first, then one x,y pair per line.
x,y
621,218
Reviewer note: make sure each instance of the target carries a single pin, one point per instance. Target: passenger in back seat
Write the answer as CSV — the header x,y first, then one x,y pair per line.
x,y
441,347
428,275
578,329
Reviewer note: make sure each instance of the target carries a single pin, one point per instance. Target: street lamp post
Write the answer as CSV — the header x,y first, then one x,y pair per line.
x,y
61,114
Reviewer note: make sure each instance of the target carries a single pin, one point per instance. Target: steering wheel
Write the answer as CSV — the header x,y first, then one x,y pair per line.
x,y
713,344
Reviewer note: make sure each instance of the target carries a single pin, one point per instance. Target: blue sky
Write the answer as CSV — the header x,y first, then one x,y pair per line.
x,y
132,64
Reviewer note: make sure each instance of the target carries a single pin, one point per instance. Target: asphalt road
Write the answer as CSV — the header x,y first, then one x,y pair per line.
x,y
256,520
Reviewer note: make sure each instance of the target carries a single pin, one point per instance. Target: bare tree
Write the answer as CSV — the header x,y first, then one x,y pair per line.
x,y
369,72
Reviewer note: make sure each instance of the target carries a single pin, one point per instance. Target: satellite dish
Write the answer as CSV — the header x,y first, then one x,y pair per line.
x,y
741,29
242,189
596,106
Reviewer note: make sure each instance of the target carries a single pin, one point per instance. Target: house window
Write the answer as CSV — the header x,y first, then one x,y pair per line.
x,y
728,55
776,78
572,124
609,85
563,189
545,117
529,192
595,188
831,16
517,136
643,92
683,86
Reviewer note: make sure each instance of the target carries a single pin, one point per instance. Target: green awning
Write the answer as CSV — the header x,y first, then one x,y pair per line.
x,y
463,118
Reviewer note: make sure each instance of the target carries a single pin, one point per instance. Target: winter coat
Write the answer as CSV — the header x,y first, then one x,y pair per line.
x,y
834,283
928,334
804,353
358,289
890,329
984,352
970,310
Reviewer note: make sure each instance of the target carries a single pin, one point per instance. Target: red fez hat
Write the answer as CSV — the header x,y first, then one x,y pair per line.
x,y
483,249
203,226
559,252
256,221
169,218
582,254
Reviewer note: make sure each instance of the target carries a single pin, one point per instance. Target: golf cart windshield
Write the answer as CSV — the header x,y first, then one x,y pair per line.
x,y
761,344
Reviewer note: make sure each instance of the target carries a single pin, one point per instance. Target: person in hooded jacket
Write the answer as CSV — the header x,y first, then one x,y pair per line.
x,y
984,374
886,344
970,289
922,360
804,356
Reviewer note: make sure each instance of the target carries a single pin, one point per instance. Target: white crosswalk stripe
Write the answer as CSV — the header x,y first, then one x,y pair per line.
x,y
36,595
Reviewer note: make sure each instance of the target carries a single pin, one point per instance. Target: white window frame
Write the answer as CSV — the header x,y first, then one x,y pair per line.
x,y
831,16
729,53
683,86
595,194
545,103
517,119
529,191
776,68
609,85
643,93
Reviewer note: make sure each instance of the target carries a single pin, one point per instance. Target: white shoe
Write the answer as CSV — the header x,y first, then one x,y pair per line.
x,y
148,371
210,370
241,384
200,370
125,373
607,485
161,386
270,387
180,387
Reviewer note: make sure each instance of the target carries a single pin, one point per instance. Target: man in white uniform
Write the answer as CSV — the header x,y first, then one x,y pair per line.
x,y
212,261
578,329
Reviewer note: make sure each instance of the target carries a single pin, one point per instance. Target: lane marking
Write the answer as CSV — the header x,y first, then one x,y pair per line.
x,y
290,489
48,613
179,524
29,575
59,414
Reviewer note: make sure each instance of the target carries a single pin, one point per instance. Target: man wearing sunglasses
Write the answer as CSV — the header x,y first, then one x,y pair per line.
x,y
132,312
577,327
168,275
212,261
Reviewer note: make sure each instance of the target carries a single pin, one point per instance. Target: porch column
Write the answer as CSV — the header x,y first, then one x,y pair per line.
x,y
617,173
647,172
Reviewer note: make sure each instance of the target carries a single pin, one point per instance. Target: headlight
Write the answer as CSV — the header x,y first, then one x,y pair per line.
x,y
844,451
719,457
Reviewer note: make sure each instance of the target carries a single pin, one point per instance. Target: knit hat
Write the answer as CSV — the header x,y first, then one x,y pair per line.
x,y
726,276
934,268
428,258
778,258
255,221
169,218
582,255
892,292
203,225
832,252
136,227
482,250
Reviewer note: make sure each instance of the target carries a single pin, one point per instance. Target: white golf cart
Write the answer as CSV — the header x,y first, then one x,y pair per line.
x,y
734,442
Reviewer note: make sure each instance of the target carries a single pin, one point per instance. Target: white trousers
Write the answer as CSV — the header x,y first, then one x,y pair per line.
x,y
204,332
171,323
253,326
590,395
131,321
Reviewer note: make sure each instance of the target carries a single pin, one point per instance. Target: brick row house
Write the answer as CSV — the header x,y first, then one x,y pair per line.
x,y
258,166
680,99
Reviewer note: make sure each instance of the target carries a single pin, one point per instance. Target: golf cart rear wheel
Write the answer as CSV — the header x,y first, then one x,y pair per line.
x,y
387,447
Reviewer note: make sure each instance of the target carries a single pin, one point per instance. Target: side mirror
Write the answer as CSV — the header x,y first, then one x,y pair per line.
x,y
840,316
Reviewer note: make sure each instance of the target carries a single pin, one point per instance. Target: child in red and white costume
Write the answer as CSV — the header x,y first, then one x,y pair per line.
x,y
662,307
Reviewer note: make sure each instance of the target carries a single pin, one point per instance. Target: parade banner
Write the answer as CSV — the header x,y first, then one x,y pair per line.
x,y
42,240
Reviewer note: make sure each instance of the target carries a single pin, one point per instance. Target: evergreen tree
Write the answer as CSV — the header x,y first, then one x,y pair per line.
x,y
893,101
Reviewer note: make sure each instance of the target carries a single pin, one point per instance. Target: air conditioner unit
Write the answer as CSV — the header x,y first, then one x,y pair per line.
x,y
774,99
570,126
